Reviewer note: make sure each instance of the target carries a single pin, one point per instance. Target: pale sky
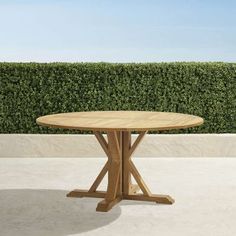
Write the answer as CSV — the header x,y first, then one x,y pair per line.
x,y
117,31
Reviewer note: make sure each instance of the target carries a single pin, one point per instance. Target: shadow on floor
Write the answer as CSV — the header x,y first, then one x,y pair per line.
x,y
33,212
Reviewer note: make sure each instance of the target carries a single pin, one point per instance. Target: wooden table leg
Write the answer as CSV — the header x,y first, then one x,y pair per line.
x,y
120,167
114,169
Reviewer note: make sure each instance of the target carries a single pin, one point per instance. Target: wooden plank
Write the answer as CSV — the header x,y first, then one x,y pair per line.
x,y
158,198
120,184
114,157
126,159
99,178
114,165
139,179
102,142
120,120
85,193
137,142
105,205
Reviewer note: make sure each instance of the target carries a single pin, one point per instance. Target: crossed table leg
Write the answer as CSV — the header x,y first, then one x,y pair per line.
x,y
120,167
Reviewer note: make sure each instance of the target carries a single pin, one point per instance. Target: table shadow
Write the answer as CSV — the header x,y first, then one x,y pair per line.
x,y
37,212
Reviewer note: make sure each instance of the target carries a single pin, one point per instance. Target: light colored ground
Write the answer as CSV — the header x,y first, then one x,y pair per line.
x,y
33,202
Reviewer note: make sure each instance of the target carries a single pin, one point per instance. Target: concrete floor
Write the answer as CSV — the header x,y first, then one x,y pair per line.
x,y
33,202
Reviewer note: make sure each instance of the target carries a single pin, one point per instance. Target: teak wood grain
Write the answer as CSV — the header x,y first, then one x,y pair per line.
x,y
120,120
119,149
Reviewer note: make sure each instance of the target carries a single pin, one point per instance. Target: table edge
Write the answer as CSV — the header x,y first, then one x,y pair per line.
x,y
121,129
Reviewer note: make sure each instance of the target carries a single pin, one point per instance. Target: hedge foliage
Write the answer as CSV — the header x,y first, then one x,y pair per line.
x,y
30,90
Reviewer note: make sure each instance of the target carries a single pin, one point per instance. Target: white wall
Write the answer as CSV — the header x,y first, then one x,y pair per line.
x,y
164,145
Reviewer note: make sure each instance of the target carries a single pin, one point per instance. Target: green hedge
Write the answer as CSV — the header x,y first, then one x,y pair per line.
x,y
30,90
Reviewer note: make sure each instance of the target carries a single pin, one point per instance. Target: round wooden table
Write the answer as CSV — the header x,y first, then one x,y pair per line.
x,y
119,149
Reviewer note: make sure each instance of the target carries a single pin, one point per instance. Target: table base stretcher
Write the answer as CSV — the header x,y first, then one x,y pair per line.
x,y
120,167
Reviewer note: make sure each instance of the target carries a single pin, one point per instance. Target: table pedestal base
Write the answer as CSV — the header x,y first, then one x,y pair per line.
x,y
120,167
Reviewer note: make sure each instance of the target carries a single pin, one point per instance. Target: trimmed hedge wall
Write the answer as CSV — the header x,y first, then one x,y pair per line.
x,y
30,90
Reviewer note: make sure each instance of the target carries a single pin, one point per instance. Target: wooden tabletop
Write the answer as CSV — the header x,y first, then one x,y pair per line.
x,y
120,120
